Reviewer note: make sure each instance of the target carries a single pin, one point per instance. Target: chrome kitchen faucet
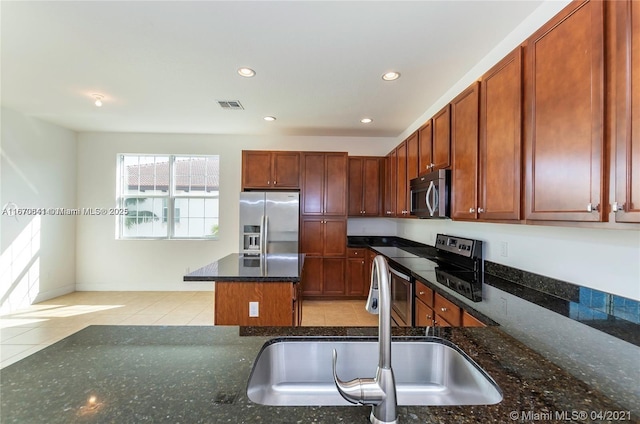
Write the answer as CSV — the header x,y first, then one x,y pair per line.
x,y
380,392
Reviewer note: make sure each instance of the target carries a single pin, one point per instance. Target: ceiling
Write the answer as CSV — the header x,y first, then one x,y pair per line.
x,y
163,65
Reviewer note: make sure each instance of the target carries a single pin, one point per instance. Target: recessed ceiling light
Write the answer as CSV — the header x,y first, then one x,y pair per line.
x,y
366,120
390,76
246,72
97,99
269,118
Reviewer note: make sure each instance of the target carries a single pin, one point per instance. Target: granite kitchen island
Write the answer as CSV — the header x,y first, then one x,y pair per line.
x,y
136,374
255,290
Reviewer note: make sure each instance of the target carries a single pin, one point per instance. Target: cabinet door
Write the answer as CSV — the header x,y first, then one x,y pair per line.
x,y
464,144
312,183
424,315
412,157
564,116
627,115
335,237
441,145
425,159
500,140
333,283
312,236
335,189
371,186
356,272
390,184
256,169
401,180
286,169
355,186
312,276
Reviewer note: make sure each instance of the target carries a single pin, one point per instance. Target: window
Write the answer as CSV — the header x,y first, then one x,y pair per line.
x,y
168,196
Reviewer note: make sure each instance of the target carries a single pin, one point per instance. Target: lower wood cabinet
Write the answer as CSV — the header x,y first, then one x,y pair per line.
x,y
357,266
323,277
278,303
432,309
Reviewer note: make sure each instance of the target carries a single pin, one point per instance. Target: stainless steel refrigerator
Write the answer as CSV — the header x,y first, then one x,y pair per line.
x,y
269,222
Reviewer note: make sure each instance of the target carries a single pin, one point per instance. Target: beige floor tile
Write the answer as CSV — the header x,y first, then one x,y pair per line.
x,y
147,319
202,319
175,319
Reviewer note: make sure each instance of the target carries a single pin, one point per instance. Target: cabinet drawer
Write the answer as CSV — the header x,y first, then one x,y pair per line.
x,y
356,252
470,321
447,310
424,315
424,293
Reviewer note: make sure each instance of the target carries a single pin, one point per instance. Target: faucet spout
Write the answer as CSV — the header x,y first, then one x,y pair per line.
x,y
380,391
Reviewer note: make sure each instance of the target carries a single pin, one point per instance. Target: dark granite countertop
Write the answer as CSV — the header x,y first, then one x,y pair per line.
x,y
126,374
260,268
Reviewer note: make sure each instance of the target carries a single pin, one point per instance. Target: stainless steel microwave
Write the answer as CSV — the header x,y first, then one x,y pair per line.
x,y
431,195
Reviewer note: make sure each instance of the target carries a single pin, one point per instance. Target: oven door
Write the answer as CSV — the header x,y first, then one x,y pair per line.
x,y
401,298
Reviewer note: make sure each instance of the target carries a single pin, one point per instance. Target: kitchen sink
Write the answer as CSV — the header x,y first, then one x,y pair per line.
x,y
297,371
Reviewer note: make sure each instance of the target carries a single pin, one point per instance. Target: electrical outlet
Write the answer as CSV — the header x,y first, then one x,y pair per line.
x,y
254,309
504,249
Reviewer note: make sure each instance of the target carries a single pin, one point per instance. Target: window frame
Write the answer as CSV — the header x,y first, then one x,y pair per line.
x,y
170,197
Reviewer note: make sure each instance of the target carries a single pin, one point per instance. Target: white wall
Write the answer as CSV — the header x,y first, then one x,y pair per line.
x,y
104,263
38,169
607,260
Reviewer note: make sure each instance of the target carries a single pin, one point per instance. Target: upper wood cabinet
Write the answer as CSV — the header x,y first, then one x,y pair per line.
x,y
402,188
365,186
413,153
435,143
500,140
564,86
324,183
626,143
390,165
441,141
270,170
464,146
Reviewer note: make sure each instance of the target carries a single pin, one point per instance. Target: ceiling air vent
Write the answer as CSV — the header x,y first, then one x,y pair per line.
x,y
230,104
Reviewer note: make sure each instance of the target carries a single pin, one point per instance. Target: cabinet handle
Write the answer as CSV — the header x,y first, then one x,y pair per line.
x,y
362,262
421,293
428,316
472,210
432,165
268,182
443,309
275,182
591,208
480,210
617,207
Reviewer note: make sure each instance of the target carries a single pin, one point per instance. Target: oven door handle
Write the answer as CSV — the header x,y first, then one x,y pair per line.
x,y
399,274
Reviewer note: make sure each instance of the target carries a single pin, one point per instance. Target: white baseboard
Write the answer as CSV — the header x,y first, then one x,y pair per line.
x,y
50,294
184,286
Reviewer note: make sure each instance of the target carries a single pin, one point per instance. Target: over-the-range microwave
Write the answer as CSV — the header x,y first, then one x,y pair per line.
x,y
431,195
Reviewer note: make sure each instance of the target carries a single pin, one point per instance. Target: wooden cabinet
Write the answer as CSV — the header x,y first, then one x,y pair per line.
x,y
464,146
324,242
424,315
323,277
432,309
365,186
276,303
402,188
500,154
323,236
441,142
324,183
390,189
270,170
357,272
435,145
413,154
447,313
626,138
564,116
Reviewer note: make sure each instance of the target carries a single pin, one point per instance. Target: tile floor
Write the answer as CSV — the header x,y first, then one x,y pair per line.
x,y
27,331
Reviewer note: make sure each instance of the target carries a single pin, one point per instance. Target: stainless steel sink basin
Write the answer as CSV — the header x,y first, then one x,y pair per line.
x,y
428,371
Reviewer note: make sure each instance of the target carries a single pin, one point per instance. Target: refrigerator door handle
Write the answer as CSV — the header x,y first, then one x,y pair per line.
x,y
265,223
262,234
